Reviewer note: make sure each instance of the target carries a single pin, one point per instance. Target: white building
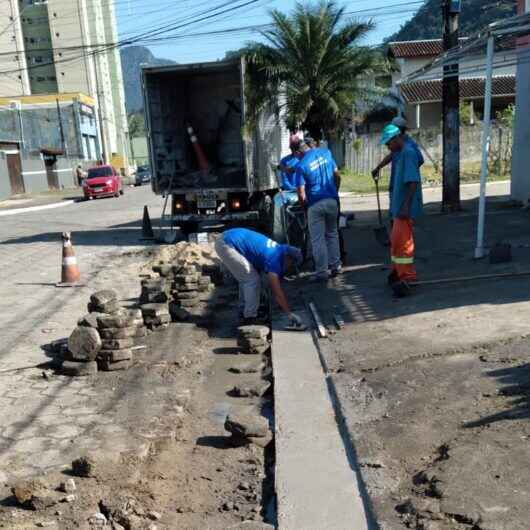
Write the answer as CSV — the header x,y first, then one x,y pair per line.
x,y
64,46
423,95
521,148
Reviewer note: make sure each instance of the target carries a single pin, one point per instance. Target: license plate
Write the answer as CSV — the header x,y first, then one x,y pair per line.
x,y
98,189
207,200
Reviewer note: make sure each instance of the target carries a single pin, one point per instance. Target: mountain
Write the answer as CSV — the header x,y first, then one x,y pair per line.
x,y
427,23
132,58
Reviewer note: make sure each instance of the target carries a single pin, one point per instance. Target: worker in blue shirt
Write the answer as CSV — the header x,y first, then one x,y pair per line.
x,y
392,158
287,194
406,206
318,182
246,254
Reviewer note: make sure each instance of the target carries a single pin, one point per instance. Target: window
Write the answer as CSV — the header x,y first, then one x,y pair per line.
x,y
528,6
41,79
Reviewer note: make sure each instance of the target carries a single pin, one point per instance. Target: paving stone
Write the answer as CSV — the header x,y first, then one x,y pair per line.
x,y
154,298
244,425
103,297
183,279
189,303
119,321
255,350
108,308
163,269
181,295
117,344
113,356
158,320
204,281
188,287
154,310
253,332
248,367
123,333
90,320
79,369
108,366
251,390
84,343
245,342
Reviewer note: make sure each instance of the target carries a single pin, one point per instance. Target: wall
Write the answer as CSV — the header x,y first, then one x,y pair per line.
x,y
520,190
34,174
366,152
5,185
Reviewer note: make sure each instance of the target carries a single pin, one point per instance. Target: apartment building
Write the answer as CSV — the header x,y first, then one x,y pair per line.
x,y
65,46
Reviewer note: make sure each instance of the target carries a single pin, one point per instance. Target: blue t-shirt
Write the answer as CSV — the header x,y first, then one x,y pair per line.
x,y
288,179
264,254
407,170
395,157
316,171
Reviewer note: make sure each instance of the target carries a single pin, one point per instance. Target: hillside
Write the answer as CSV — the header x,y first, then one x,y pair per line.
x,y
427,23
131,60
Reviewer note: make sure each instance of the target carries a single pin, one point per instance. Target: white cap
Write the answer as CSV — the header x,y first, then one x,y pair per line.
x,y
400,122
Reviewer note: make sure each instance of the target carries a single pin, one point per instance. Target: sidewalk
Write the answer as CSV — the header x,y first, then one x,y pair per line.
x,y
55,198
435,388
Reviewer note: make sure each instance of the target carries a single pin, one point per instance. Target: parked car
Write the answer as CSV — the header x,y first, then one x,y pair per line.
x,y
102,181
143,175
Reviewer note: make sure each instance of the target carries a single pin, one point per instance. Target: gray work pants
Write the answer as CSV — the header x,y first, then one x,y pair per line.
x,y
246,275
324,232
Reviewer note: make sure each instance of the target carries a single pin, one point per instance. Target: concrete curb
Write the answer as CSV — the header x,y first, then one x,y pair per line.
x,y
316,487
30,209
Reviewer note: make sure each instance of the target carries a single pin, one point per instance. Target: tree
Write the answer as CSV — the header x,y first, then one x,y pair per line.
x,y
314,60
136,125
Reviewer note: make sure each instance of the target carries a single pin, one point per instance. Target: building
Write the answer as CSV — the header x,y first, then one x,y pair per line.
x,y
422,96
42,138
521,148
65,46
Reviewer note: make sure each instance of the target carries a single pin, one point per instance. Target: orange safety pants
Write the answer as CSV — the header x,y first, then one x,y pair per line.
x,y
402,249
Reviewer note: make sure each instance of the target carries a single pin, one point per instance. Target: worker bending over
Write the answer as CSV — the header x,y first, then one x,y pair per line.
x,y
246,254
405,206
318,182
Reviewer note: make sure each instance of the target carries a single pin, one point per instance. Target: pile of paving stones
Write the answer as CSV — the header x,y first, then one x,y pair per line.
x,y
156,316
105,337
254,340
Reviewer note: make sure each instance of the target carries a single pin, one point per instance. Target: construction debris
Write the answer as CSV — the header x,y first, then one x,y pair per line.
x,y
253,340
247,428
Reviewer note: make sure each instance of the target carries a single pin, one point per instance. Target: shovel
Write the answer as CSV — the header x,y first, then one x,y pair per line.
x,y
381,233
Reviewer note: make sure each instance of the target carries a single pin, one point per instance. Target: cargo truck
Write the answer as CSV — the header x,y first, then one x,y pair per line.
x,y
228,174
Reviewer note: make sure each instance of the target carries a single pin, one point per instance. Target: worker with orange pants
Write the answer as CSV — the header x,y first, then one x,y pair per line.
x,y
406,205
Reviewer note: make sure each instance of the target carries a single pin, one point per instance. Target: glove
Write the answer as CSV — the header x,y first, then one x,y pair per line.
x,y
295,320
375,174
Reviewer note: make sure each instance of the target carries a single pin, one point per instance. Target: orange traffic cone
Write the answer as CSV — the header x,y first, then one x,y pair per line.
x,y
199,153
70,271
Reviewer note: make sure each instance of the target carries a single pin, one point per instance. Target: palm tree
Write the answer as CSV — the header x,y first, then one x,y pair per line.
x,y
314,59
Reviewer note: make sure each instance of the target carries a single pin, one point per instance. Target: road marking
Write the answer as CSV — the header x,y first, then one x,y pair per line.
x,y
16,211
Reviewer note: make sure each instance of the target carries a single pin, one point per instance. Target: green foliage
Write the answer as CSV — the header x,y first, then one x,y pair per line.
x,y
476,14
136,125
506,117
314,58
465,113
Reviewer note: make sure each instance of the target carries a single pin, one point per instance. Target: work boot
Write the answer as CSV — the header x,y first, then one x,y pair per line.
x,y
392,278
401,289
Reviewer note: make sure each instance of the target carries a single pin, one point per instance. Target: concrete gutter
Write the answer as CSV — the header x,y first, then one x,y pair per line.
x,y
15,211
316,487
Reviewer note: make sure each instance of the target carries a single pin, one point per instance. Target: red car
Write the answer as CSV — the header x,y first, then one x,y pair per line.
x,y
102,181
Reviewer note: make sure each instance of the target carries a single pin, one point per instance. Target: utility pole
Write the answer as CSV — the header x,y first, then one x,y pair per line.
x,y
103,145
61,129
451,110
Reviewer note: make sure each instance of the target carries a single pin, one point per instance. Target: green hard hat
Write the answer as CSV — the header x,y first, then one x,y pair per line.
x,y
390,131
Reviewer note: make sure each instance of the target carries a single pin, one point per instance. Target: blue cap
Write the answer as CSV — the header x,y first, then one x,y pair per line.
x,y
390,131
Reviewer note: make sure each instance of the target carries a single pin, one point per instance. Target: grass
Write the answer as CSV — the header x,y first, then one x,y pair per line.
x,y
364,184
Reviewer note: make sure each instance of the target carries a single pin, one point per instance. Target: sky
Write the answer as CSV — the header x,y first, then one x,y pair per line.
x,y
146,16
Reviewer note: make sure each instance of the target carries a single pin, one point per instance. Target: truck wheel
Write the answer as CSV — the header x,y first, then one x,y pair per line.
x,y
189,227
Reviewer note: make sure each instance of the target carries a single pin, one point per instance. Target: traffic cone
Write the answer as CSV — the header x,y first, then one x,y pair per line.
x,y
70,275
199,153
147,229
